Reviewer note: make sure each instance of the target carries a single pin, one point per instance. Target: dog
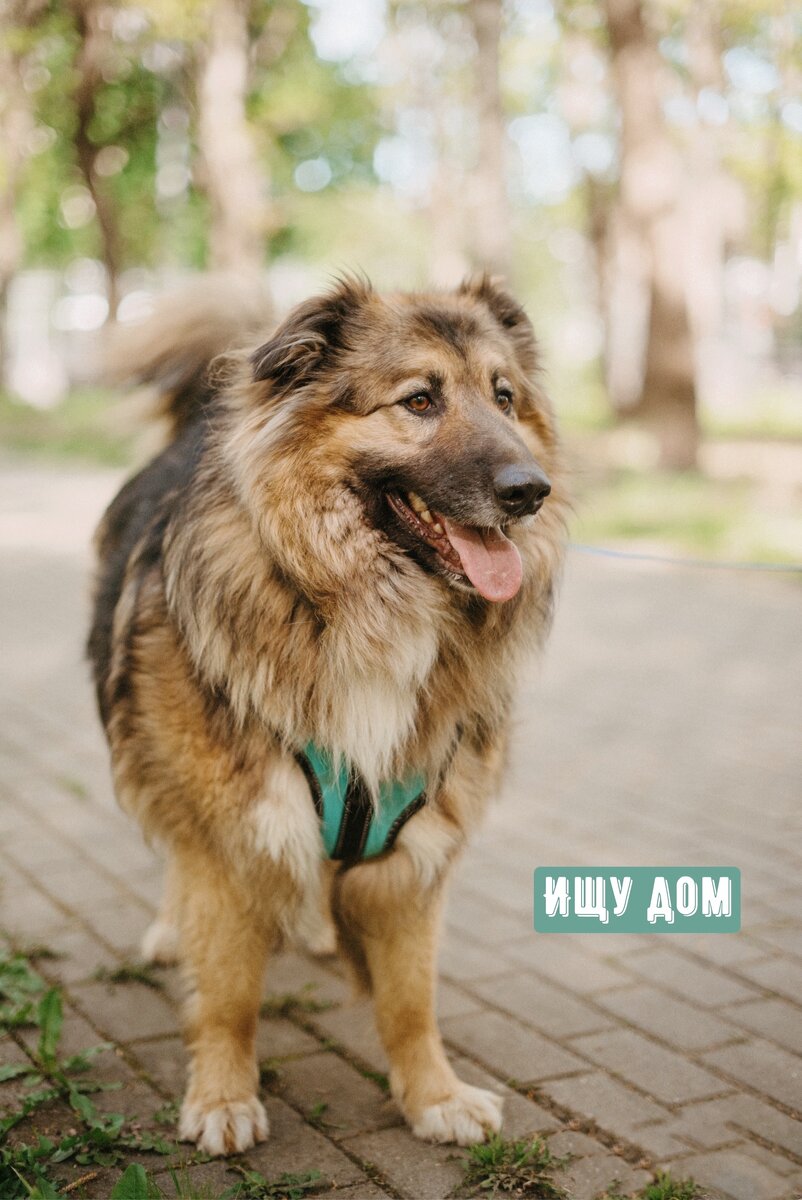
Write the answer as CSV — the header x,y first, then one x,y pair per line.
x,y
309,614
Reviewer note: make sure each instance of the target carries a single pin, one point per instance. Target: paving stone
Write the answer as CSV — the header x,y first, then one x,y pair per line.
x,y
462,960
694,981
127,1011
759,1064
27,913
658,1072
295,1147
736,1174
210,1179
279,1038
454,1001
611,1104
781,975
353,1027
80,888
509,1048
79,956
352,1103
121,924
717,1122
538,1003
668,1017
569,966
775,1019
588,1177
293,974
417,1170
165,1060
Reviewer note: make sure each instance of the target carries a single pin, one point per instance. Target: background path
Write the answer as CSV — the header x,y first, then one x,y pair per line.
x,y
664,727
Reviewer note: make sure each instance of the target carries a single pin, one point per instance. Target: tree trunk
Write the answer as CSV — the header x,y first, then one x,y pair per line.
x,y
15,125
93,52
233,177
650,212
491,215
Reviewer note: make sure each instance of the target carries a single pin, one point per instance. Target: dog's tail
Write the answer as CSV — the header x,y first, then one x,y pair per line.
x,y
173,347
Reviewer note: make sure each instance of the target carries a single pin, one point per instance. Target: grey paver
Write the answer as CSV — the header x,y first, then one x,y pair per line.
x,y
761,1065
535,1001
735,1173
706,985
127,1011
775,1019
344,1101
672,1020
418,1170
613,1105
509,1047
659,1072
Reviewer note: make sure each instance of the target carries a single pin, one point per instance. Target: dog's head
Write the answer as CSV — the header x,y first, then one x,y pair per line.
x,y
408,427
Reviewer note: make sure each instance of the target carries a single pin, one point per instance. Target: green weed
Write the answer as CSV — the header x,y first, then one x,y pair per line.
x,y
663,1187
131,972
512,1168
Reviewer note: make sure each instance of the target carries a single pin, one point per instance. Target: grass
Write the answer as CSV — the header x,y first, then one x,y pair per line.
x,y
131,972
86,427
138,1184
95,1139
512,1168
687,514
662,1187
290,1004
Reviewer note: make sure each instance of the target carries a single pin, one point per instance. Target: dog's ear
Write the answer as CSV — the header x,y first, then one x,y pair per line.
x,y
311,337
490,291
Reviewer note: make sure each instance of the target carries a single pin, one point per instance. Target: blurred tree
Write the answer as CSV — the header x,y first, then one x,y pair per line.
x,y
650,229
491,216
234,177
16,124
92,69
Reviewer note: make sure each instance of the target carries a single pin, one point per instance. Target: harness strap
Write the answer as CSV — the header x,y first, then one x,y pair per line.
x,y
353,827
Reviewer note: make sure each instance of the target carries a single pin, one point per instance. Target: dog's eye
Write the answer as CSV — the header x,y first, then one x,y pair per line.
x,y
419,403
504,399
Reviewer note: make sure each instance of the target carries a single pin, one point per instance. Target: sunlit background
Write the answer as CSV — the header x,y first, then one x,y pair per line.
x,y
633,167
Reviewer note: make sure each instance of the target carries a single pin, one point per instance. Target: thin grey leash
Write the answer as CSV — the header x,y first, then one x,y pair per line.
x,y
604,552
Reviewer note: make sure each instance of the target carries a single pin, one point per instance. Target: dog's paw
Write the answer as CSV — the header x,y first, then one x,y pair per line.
x,y
160,944
466,1117
224,1128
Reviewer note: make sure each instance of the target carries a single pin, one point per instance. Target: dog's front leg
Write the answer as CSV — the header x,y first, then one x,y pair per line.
x,y
396,927
224,949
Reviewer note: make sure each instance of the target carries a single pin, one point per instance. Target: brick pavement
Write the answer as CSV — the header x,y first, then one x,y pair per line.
x,y
663,728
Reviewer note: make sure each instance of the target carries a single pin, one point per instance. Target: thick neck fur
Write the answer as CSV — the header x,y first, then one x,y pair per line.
x,y
310,622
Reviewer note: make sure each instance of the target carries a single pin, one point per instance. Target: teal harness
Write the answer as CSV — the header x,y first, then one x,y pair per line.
x,y
353,827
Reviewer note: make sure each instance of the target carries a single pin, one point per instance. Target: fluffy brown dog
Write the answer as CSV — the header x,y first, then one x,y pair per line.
x,y
345,546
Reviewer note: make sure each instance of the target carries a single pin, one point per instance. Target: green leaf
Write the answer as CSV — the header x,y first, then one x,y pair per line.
x,y
135,1184
51,1018
14,1070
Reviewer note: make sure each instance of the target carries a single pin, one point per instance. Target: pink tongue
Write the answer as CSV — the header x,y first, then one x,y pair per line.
x,y
490,560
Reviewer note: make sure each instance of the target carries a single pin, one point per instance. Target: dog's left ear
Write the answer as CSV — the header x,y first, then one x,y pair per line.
x,y
489,290
311,337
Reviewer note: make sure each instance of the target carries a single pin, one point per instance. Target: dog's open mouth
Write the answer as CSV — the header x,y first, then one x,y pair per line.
x,y
484,556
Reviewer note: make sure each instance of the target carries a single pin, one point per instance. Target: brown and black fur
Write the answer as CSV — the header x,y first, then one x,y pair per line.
x,y
256,590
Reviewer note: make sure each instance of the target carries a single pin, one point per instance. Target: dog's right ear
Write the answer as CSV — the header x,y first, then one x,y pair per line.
x,y
311,337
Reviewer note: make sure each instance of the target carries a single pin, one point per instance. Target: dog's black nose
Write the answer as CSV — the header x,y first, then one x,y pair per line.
x,y
521,489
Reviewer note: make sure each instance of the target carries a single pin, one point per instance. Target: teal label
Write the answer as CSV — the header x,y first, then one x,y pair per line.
x,y
637,899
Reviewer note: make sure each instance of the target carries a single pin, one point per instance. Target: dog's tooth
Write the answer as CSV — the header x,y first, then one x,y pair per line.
x,y
416,502
427,517
438,528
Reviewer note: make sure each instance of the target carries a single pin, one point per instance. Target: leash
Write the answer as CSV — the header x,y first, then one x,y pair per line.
x,y
678,561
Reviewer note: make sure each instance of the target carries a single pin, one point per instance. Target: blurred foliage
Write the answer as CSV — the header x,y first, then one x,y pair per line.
x,y
145,117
